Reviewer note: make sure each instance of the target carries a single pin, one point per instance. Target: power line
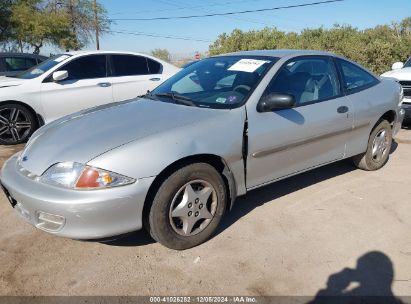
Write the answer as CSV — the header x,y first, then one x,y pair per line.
x,y
228,13
230,17
185,7
159,36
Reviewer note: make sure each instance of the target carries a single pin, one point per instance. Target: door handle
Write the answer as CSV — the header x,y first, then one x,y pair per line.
x,y
104,84
342,109
155,79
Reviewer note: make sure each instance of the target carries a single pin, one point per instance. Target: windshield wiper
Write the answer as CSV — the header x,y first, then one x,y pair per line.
x,y
148,95
178,98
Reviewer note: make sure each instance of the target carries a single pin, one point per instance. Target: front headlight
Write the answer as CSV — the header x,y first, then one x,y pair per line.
x,y
78,176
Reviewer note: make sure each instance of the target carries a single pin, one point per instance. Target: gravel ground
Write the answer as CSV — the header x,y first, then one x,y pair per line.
x,y
335,224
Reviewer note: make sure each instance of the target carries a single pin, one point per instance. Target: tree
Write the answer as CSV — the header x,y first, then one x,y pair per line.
x,y
5,23
68,24
375,48
162,54
35,26
84,19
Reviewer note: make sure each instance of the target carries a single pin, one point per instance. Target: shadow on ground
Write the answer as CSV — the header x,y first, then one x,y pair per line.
x,y
260,196
370,282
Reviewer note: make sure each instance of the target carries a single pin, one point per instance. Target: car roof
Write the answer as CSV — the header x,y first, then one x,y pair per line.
x,y
77,53
279,53
73,53
6,54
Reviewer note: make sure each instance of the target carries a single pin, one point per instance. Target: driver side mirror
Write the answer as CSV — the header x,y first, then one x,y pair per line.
x,y
60,75
275,101
397,66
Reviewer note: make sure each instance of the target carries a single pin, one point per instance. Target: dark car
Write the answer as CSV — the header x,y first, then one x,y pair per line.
x,y
12,64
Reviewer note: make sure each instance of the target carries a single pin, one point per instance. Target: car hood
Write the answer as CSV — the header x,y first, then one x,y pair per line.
x,y
85,135
401,74
10,81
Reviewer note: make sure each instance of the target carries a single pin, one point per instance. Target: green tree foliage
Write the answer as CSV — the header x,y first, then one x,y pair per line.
x,y
82,25
162,54
35,26
68,24
375,48
5,23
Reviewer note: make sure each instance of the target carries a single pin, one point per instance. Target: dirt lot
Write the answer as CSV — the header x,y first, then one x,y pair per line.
x,y
284,239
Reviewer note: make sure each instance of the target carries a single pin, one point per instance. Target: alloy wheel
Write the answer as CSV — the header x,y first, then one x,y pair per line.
x,y
15,125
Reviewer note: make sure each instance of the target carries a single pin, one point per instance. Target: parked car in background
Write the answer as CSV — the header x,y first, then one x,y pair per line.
x,y
402,73
12,64
71,82
186,65
176,160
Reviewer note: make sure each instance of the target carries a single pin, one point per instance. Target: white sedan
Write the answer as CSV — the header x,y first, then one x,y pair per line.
x,y
71,82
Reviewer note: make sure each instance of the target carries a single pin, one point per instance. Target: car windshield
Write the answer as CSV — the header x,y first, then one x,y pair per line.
x,y
43,67
218,82
408,63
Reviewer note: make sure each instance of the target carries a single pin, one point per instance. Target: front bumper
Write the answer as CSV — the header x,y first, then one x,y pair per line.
x,y
406,106
398,121
80,214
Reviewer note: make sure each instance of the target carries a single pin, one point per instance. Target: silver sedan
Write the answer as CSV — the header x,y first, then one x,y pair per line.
x,y
175,160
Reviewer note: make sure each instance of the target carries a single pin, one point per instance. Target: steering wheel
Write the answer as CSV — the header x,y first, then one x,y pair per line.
x,y
241,88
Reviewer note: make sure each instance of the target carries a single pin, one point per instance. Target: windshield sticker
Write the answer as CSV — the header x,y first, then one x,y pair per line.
x,y
61,58
220,100
247,65
232,99
37,72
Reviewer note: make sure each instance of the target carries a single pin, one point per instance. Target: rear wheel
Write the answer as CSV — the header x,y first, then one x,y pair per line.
x,y
378,149
188,207
17,123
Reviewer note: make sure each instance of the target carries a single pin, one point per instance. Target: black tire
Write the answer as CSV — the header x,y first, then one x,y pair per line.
x,y
367,161
161,225
17,124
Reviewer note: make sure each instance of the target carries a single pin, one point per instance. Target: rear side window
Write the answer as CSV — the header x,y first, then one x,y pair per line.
x,y
87,67
129,65
13,64
354,77
154,67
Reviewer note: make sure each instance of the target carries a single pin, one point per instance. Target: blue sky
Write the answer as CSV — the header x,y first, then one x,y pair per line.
x,y
359,13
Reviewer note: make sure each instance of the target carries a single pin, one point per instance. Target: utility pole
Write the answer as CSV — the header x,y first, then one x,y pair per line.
x,y
96,24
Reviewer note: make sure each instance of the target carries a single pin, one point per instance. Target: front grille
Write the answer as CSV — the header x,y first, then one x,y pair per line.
x,y
406,85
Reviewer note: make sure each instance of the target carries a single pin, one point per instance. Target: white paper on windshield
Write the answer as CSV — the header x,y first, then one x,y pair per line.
x,y
61,58
247,65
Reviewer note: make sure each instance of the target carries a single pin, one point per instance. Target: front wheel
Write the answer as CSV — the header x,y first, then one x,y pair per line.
x,y
17,124
378,149
188,207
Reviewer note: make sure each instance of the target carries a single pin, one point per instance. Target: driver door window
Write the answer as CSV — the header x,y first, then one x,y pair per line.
x,y
88,67
307,79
